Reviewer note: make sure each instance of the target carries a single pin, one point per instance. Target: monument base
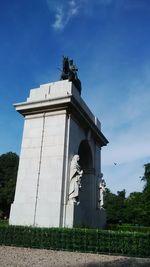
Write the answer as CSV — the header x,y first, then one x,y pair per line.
x,y
78,217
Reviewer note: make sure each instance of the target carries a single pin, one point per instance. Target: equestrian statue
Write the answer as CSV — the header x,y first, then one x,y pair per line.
x,y
69,72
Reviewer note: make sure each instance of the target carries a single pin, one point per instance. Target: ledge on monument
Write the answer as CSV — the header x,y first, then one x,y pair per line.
x,y
53,90
59,90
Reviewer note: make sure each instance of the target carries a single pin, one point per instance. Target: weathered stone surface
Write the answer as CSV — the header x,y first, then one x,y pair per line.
x,y
58,125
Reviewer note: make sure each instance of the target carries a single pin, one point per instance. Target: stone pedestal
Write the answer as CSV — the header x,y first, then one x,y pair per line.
x,y
58,125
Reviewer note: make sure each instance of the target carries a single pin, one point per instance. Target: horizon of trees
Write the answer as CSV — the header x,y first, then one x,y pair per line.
x,y
134,209
8,175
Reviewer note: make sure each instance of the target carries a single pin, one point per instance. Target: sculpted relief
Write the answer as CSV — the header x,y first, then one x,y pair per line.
x,y
101,190
75,179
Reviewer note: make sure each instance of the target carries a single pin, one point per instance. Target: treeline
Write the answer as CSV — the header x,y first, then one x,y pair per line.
x,y
8,174
134,209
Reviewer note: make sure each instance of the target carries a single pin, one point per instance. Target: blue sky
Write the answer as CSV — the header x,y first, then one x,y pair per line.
x,y
109,41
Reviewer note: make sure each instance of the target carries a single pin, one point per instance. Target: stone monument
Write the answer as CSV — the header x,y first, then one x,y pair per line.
x,y
60,161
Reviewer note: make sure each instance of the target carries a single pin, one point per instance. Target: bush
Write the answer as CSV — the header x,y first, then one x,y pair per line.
x,y
128,228
83,240
3,222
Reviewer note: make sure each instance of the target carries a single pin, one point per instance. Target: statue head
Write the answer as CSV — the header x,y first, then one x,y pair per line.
x,y
76,158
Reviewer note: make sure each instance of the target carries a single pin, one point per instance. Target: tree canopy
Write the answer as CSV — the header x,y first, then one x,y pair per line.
x,y
134,209
8,174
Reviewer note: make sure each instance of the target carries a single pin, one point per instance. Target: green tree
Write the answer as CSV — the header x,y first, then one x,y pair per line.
x,y
146,193
135,209
8,174
121,205
115,206
146,177
109,201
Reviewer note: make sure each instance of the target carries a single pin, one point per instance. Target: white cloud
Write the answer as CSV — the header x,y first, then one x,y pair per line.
x,y
58,24
128,130
73,10
130,135
64,11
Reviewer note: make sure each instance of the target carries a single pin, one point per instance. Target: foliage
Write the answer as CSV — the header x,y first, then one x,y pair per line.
x,y
128,228
8,173
146,193
146,177
83,240
134,209
115,206
3,222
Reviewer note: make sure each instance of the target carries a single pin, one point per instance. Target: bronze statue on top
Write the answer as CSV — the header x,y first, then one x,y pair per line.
x,y
69,72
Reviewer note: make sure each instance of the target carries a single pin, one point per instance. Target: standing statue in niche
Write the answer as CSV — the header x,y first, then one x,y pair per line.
x,y
69,72
75,179
101,188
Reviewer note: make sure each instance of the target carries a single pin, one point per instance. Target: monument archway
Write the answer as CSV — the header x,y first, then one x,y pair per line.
x,y
85,153
83,211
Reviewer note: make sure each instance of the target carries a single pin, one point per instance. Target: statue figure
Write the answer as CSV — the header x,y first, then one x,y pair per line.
x,y
75,179
65,69
69,71
101,188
